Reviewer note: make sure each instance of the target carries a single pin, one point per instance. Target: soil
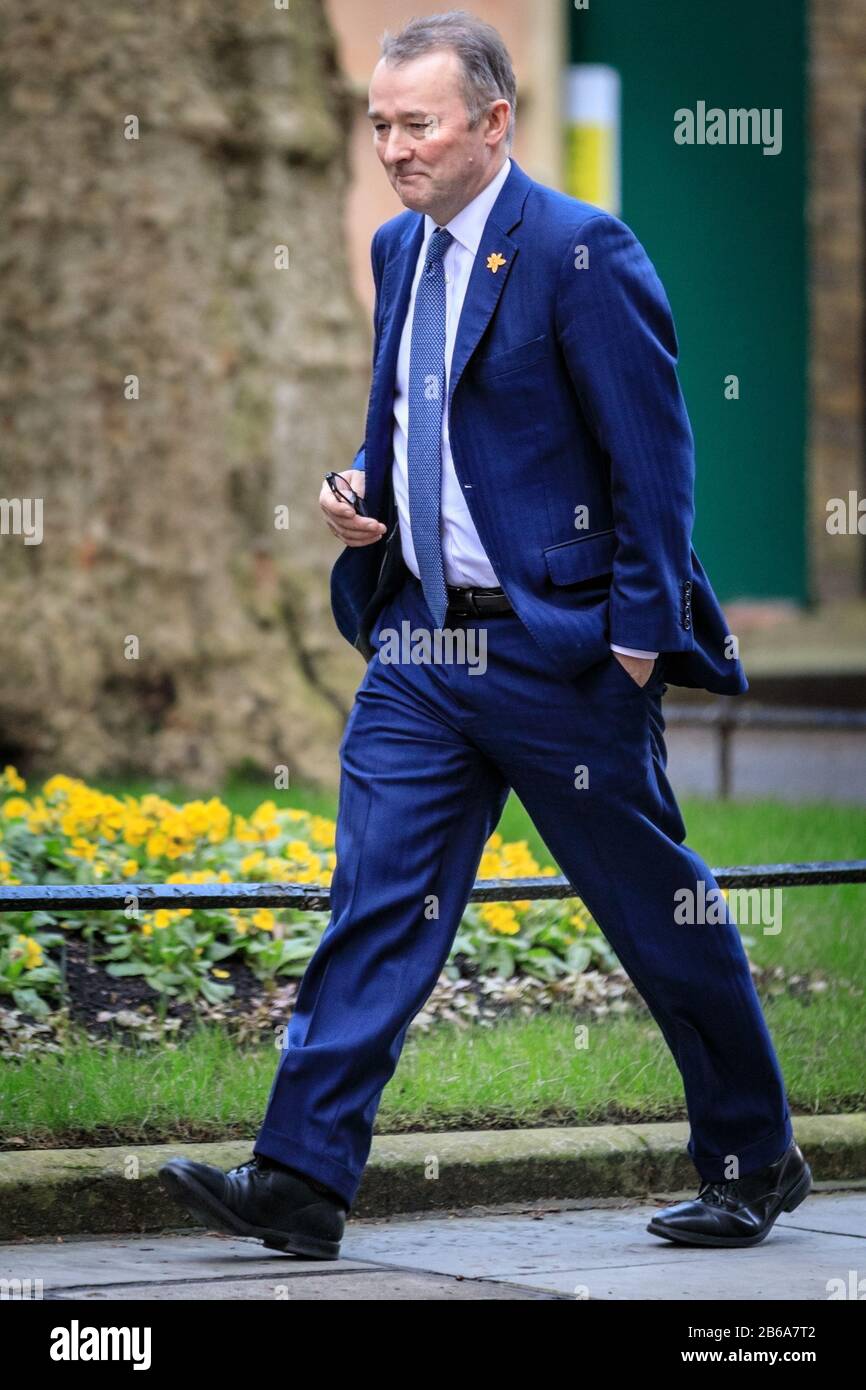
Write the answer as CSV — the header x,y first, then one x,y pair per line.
x,y
91,991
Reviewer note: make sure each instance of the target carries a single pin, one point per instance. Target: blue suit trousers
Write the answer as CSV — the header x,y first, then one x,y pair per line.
x,y
427,758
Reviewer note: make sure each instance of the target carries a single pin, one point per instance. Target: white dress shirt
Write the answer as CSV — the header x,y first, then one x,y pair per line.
x,y
464,557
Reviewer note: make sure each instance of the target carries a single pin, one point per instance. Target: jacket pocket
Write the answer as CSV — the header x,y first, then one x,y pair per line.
x,y
583,558
498,363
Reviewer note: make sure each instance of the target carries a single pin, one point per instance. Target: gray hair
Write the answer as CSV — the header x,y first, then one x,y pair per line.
x,y
487,71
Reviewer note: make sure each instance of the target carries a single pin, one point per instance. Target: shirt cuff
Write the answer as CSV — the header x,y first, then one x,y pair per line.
x,y
632,651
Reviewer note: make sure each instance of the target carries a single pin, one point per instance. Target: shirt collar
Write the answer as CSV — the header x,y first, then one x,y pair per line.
x,y
467,225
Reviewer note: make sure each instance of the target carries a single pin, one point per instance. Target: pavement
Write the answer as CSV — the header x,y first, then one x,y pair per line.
x,y
589,1250
501,1214
806,658
797,766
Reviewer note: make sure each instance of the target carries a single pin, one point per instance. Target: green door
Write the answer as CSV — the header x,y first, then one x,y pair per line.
x,y
724,224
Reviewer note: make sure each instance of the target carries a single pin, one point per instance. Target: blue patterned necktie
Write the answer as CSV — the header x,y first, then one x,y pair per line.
x,y
426,402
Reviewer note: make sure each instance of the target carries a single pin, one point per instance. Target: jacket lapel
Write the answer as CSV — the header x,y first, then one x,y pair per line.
x,y
490,270
395,292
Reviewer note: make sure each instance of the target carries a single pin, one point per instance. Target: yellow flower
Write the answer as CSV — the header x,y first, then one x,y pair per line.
x,y
276,867
197,817
162,917
130,868
146,929
40,817
81,848
494,841
220,821
135,830
490,866
60,783
238,921
220,974
251,861
499,918
31,951
16,807
518,860
264,919
12,779
322,832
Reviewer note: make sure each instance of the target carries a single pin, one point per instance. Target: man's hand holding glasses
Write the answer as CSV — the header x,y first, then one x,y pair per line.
x,y
343,508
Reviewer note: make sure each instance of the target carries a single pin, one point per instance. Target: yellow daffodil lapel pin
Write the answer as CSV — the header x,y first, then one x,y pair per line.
x,y
495,261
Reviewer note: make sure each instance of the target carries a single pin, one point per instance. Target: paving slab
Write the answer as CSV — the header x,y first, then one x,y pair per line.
x,y
582,1251
123,1260
376,1285
606,1254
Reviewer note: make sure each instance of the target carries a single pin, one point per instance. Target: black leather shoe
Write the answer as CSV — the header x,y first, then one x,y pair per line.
x,y
260,1199
738,1211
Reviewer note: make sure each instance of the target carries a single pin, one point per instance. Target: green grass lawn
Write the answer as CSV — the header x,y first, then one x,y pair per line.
x,y
520,1072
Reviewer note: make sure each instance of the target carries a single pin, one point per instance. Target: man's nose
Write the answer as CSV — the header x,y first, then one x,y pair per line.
x,y
398,147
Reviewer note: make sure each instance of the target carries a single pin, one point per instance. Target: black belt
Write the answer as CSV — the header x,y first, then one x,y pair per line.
x,y
476,601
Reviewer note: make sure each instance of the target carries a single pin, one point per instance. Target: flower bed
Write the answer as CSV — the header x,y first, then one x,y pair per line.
x,y
70,833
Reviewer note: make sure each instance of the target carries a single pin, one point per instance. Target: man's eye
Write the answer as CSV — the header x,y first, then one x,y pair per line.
x,y
379,128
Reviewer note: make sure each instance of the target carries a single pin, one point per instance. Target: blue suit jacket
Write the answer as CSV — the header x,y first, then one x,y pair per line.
x,y
563,396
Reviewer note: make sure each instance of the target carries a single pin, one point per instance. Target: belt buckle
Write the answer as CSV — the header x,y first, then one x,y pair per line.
x,y
463,602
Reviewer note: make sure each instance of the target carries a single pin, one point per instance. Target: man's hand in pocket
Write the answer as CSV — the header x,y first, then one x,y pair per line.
x,y
640,668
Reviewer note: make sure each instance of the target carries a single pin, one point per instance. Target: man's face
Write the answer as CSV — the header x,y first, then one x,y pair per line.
x,y
434,161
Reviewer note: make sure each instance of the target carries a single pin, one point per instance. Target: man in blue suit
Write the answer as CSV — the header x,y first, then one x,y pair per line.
x,y
527,473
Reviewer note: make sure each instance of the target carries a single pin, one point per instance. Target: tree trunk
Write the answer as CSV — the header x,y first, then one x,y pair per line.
x,y
167,385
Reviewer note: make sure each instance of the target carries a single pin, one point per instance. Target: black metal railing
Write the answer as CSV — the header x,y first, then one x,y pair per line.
x,y
147,897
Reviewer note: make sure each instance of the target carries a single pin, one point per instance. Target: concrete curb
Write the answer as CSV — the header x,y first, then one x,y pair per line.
x,y
66,1192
